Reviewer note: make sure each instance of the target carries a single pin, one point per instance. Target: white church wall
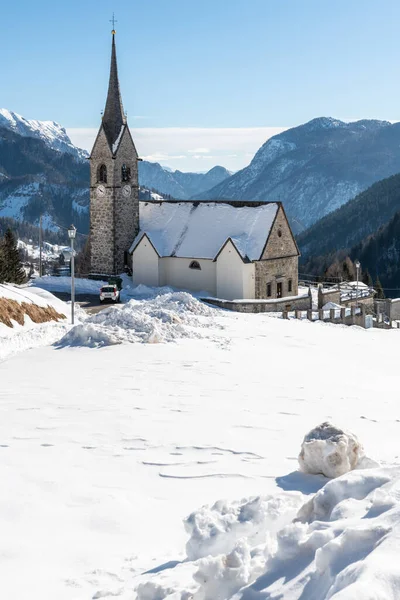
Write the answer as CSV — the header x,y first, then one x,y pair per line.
x,y
248,273
233,279
145,267
176,272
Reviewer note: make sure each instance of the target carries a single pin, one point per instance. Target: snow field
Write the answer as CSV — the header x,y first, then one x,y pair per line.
x,y
107,452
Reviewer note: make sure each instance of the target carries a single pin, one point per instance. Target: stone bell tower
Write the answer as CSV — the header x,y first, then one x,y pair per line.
x,y
114,187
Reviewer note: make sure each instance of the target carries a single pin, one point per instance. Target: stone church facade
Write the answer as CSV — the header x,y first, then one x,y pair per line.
x,y
114,186
231,250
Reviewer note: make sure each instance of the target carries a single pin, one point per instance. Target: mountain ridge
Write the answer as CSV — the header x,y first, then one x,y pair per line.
x,y
43,173
316,167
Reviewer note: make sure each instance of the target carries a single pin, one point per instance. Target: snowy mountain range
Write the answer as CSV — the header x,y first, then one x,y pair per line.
x,y
43,173
317,167
178,184
50,132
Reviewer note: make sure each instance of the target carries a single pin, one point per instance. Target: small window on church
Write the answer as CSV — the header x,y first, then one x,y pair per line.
x,y
103,174
125,173
195,265
290,285
279,233
269,290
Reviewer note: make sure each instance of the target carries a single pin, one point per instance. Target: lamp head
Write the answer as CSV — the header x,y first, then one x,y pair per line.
x,y
71,232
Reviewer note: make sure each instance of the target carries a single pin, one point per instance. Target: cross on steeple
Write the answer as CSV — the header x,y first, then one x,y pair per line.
x,y
113,21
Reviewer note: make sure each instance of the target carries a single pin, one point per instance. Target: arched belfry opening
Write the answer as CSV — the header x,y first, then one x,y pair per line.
x,y
102,178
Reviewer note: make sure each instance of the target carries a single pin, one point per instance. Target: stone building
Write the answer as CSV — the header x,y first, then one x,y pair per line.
x,y
229,250
114,188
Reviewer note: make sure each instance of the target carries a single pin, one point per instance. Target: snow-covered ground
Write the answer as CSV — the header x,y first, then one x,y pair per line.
x,y
49,251
105,451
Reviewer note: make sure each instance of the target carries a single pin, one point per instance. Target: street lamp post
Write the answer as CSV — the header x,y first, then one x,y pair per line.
x,y
72,235
357,264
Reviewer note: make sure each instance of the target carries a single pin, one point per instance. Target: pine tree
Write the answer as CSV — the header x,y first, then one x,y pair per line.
x,y
13,270
82,261
380,294
2,262
349,270
366,278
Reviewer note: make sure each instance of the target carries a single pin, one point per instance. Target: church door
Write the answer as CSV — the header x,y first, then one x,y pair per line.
x,y
279,289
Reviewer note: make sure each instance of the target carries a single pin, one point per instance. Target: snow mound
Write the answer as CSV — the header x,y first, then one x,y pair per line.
x,y
215,530
330,305
165,318
342,544
330,451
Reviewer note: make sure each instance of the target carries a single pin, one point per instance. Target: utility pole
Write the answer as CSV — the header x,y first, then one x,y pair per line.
x,y
71,235
357,265
40,246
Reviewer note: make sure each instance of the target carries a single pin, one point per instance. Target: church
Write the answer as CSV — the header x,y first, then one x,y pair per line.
x,y
225,249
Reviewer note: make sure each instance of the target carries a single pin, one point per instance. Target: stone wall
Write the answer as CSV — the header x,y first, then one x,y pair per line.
x,y
288,304
114,218
329,295
367,301
279,261
274,271
389,307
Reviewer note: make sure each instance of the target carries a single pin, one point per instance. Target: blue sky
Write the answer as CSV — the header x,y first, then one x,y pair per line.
x,y
213,65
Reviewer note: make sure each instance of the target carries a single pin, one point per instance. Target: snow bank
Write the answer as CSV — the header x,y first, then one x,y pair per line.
x,y
29,318
20,308
330,451
165,318
343,543
63,284
31,295
215,530
31,335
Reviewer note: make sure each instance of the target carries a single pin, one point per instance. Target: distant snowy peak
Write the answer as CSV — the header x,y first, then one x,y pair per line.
x,y
50,132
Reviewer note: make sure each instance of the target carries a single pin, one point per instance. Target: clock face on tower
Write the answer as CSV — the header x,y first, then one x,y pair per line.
x,y
101,191
126,191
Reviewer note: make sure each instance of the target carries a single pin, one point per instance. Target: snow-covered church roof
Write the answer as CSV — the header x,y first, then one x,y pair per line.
x,y
200,229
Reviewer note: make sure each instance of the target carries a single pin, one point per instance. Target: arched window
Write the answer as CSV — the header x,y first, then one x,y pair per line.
x,y
103,174
195,265
125,173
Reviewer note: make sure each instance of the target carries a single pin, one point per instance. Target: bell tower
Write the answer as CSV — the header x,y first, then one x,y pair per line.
x,y
114,186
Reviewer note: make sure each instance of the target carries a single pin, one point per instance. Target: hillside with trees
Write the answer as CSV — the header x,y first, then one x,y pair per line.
x,y
378,253
353,222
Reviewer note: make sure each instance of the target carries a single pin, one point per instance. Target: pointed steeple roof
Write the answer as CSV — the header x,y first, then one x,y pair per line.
x,y
113,117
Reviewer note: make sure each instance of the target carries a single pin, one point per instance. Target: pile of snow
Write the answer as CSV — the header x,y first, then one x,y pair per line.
x,y
341,543
330,451
330,305
216,530
165,318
